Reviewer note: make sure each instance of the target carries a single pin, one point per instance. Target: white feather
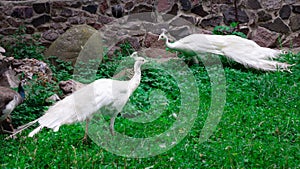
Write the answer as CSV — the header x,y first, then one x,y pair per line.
x,y
241,50
82,104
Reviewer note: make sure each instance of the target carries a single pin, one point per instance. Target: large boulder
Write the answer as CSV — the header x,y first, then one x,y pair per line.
x,y
68,46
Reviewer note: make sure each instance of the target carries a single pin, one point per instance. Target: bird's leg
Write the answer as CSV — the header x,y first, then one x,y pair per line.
x,y
112,124
86,129
10,124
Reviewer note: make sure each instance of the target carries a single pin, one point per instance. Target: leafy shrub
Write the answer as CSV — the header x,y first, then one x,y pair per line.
x,y
228,30
20,46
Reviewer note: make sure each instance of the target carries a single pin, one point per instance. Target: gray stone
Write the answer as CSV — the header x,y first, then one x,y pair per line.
x,y
264,37
277,25
13,22
70,86
91,21
29,29
179,22
163,5
295,22
151,41
244,30
211,22
76,20
104,19
160,55
103,7
40,8
174,10
289,2
145,17
4,24
285,12
52,99
22,12
67,46
90,8
223,1
59,19
189,18
180,33
133,41
198,10
50,35
185,5
129,5
196,2
253,4
142,8
229,16
59,4
56,26
271,5
296,8
43,28
40,20
9,79
293,42
76,4
66,12
8,31
263,16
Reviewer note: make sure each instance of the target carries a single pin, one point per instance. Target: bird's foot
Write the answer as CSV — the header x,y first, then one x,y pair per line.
x,y
12,134
85,140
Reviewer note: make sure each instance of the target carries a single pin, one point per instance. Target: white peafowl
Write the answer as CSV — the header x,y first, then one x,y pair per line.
x,y
9,100
241,50
102,94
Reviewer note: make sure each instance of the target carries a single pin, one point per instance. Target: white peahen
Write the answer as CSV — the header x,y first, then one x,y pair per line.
x,y
241,50
102,94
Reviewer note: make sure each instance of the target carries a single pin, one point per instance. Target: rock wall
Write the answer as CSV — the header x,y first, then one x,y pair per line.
x,y
264,21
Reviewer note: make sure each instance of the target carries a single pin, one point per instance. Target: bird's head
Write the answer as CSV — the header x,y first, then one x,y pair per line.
x,y
138,59
163,35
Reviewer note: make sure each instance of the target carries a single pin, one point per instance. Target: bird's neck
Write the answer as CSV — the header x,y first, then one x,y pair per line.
x,y
135,80
169,44
21,91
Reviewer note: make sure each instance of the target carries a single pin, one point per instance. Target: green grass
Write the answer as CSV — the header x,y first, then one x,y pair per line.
x,y
260,127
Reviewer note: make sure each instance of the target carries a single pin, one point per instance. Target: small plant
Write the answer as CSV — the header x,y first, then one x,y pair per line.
x,y
23,47
228,30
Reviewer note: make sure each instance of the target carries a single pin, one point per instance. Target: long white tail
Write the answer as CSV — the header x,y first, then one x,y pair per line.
x,y
259,58
250,54
241,50
21,128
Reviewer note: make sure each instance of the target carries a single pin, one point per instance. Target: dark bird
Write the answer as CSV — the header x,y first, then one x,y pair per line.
x,y
9,100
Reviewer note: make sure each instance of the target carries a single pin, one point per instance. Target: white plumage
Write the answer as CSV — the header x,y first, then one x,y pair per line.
x,y
241,50
82,104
